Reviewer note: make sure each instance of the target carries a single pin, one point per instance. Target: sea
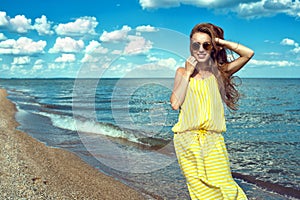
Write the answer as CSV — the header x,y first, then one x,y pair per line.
x,y
122,127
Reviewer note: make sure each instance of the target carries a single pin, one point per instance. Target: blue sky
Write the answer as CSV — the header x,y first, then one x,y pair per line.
x,y
140,38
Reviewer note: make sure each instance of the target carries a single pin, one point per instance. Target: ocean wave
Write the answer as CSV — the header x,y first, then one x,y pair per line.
x,y
84,125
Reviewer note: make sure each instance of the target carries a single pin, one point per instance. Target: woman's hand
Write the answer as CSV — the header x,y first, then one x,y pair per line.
x,y
190,65
219,42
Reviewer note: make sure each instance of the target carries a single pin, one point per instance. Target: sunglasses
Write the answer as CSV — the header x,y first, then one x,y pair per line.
x,y
206,45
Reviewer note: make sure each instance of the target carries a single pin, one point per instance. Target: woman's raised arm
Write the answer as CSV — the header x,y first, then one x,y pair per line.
x,y
244,52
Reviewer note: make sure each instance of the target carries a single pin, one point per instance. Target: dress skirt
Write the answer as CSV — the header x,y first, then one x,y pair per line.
x,y
203,159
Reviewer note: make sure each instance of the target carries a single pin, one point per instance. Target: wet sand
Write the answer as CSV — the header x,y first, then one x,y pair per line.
x,y
31,170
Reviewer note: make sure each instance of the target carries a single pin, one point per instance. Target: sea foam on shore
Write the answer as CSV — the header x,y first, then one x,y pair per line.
x,y
31,170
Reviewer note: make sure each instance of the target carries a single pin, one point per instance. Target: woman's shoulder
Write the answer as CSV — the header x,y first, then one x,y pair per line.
x,y
180,70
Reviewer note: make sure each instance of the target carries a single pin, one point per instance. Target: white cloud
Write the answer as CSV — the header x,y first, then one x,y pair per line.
x,y
92,51
280,63
5,67
252,10
116,52
137,44
22,46
273,54
89,59
294,9
17,68
52,66
38,65
2,37
4,20
289,42
96,58
43,26
95,47
23,60
67,45
269,8
244,8
152,4
20,24
66,58
296,50
81,26
169,62
115,36
146,28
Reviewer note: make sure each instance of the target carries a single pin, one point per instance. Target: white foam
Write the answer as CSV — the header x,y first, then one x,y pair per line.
x,y
88,126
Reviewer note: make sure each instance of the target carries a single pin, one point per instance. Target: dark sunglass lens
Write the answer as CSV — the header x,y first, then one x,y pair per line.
x,y
206,46
195,46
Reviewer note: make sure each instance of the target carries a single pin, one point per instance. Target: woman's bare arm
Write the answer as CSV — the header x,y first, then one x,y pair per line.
x,y
244,52
181,82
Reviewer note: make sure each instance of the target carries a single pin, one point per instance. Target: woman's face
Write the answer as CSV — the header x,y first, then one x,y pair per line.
x,y
201,47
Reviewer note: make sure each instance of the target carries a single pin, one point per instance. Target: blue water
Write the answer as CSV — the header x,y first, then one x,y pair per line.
x,y
123,128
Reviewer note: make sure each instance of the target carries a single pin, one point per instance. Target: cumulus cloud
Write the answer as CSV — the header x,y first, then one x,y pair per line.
x,y
95,47
22,46
146,28
67,45
296,50
4,20
115,36
64,58
153,4
5,67
2,37
169,62
20,24
137,44
38,65
23,60
293,43
92,51
289,42
43,26
244,8
81,26
269,8
18,68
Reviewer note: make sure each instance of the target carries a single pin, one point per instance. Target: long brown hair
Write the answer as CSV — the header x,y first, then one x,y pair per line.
x,y
227,86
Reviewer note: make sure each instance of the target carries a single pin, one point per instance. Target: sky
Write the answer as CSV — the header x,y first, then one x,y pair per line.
x,y
141,38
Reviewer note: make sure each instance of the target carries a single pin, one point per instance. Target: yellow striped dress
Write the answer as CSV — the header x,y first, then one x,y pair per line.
x,y
200,146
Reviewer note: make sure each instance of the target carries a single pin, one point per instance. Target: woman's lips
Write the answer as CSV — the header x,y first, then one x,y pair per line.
x,y
201,56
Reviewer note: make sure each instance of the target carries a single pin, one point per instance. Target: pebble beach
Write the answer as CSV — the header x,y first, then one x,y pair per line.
x,y
31,170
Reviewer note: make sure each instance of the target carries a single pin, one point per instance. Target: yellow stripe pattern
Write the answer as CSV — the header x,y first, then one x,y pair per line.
x,y
202,108
200,146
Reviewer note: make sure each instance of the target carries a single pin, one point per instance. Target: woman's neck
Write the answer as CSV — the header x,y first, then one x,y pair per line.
x,y
203,67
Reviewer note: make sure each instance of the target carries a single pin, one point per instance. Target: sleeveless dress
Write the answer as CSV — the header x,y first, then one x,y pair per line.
x,y
199,144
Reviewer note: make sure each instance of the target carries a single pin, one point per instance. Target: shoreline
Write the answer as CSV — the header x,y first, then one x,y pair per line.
x,y
278,189
30,169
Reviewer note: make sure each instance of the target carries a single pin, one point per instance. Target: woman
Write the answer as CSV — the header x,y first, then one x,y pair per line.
x,y
200,89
